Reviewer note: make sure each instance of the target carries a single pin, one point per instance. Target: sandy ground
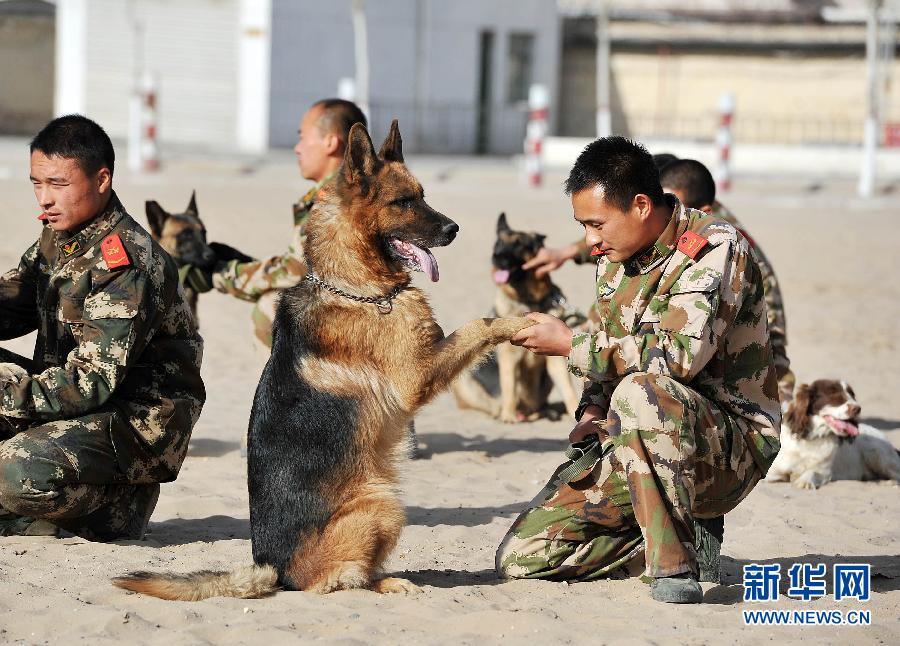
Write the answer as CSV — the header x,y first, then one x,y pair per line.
x,y
837,260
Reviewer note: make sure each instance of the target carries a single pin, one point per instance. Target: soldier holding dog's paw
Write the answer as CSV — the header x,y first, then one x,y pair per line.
x,y
679,417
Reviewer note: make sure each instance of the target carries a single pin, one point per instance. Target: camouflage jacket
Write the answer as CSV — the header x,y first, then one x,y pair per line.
x,y
693,313
250,280
119,337
774,304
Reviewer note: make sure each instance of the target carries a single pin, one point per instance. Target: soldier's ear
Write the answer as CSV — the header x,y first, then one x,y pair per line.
x,y
359,158
156,217
192,205
392,148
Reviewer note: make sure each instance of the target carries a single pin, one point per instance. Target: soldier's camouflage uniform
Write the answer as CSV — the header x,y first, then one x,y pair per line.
x,y
774,305
774,308
682,365
258,281
114,388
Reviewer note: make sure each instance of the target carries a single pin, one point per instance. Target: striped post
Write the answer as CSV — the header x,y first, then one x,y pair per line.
x,y
535,132
143,152
149,149
723,141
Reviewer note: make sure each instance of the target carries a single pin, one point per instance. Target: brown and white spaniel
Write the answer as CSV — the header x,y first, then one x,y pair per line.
x,y
822,440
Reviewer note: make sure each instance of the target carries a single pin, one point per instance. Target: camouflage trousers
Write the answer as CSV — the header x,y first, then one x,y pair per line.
x,y
67,472
671,455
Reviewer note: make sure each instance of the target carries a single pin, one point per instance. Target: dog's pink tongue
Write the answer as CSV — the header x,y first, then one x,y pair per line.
x,y
501,276
842,426
427,262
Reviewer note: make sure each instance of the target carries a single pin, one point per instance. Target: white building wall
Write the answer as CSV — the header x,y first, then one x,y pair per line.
x,y
312,47
190,46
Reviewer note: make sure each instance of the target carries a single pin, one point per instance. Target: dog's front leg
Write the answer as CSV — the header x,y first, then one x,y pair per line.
x,y
558,369
507,356
453,354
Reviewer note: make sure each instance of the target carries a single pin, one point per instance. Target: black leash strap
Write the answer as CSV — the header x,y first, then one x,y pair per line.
x,y
582,455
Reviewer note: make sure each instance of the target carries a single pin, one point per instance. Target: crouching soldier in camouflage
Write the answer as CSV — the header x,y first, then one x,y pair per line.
x,y
104,411
679,417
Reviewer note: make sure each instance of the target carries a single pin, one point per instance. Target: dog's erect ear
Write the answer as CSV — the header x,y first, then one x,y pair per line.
x,y
192,205
359,158
797,415
392,148
502,226
540,239
156,217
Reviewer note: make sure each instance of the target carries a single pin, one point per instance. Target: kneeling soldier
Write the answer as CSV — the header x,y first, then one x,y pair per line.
x,y
104,411
679,417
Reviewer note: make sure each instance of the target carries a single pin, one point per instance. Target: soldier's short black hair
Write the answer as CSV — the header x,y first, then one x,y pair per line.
x,y
692,179
338,116
74,136
622,167
662,159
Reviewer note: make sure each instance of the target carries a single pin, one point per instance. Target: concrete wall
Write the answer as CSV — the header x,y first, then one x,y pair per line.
x,y
424,65
190,47
26,72
789,93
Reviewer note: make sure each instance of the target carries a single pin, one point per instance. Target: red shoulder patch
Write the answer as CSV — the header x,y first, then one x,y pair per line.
x,y
690,243
113,252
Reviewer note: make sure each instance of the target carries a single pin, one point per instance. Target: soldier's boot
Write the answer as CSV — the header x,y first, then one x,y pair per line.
x,y
681,588
709,534
14,525
124,517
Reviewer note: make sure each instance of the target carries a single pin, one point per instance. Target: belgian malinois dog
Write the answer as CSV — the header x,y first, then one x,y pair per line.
x,y
514,384
183,236
356,352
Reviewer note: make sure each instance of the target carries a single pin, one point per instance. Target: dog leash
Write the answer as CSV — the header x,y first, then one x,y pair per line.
x,y
385,304
582,455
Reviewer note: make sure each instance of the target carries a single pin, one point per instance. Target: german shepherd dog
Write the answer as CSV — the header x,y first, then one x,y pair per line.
x,y
183,236
514,384
356,352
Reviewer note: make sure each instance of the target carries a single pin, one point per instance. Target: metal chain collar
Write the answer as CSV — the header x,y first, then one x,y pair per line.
x,y
385,304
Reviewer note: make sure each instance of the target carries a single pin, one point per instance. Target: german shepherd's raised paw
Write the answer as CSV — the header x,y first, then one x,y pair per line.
x,y
513,385
356,352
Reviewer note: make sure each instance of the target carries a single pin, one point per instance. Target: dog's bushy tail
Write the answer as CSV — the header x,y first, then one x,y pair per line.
x,y
251,582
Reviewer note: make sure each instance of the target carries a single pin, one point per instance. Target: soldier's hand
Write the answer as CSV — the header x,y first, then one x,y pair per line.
x,y
12,372
225,252
549,336
548,259
197,278
588,424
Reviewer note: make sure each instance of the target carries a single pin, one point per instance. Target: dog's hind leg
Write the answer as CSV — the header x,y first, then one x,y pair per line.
x,y
349,551
451,355
558,370
471,394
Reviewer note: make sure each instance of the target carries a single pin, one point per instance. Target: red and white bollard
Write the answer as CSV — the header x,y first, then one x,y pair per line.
x,y
143,153
535,133
723,142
